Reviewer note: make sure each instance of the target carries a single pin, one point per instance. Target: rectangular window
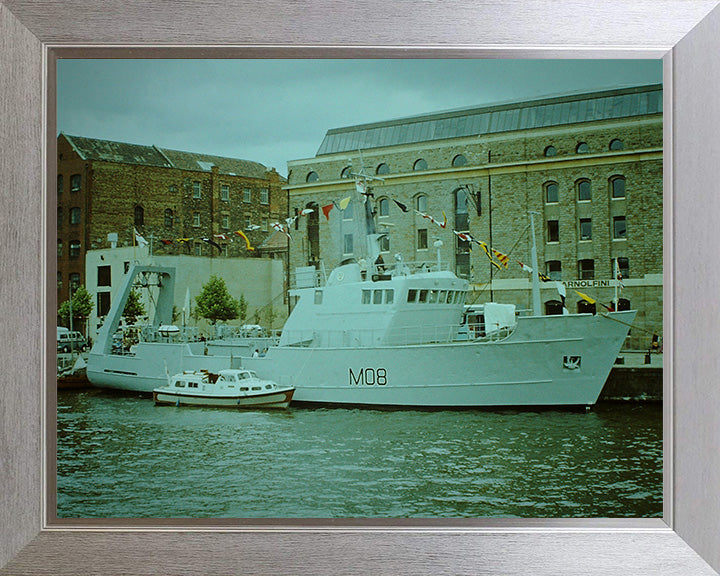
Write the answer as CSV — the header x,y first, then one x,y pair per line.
x,y
553,269
412,295
586,269
619,228
126,267
264,196
103,278
225,220
74,215
103,303
422,239
265,224
348,244
318,296
59,253
198,249
377,296
422,298
248,222
225,192
75,181
59,217
59,184
247,195
553,231
366,296
432,297
384,244
196,219
624,266
196,190
347,214
389,296
585,229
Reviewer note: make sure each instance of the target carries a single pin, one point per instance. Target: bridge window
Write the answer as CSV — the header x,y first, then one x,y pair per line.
x,y
423,296
412,295
377,296
366,296
389,296
318,296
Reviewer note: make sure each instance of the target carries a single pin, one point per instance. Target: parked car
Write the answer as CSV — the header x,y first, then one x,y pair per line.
x,y
69,341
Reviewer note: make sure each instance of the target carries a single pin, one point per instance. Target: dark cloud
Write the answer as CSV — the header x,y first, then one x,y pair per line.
x,y
272,111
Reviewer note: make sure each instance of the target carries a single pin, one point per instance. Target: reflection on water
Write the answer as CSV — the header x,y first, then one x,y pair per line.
x,y
121,456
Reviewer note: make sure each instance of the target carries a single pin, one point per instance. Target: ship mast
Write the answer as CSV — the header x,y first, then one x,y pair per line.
x,y
537,311
362,180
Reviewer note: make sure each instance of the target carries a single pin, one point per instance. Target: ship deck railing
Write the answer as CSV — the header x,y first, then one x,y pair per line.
x,y
308,278
399,336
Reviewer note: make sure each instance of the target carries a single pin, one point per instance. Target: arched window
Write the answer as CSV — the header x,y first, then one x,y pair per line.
x,y
421,203
383,169
459,160
168,218
74,215
623,304
584,191
552,194
312,177
420,164
584,307
75,249
617,186
139,215
75,181
383,207
550,151
345,172
553,307
616,144
582,148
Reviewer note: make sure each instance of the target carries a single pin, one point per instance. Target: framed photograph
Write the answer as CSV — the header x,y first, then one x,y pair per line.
x,y
36,541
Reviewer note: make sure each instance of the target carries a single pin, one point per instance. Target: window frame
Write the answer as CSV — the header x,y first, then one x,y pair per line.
x,y
580,183
225,192
197,190
618,178
548,229
585,237
547,186
615,221
421,235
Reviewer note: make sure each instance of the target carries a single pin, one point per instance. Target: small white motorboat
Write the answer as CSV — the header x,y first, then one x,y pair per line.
x,y
230,388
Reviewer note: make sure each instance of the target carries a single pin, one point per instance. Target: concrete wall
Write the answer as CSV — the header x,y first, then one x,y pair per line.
x,y
259,280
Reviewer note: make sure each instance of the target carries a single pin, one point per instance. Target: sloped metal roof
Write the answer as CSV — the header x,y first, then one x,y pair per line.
x,y
124,153
571,109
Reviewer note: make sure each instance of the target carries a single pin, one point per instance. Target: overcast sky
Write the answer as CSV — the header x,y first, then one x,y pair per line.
x,y
273,111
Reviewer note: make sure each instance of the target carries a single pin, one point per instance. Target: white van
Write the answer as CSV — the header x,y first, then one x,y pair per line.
x,y
68,341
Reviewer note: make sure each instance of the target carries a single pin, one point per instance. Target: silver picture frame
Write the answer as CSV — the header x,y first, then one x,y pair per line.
x,y
685,33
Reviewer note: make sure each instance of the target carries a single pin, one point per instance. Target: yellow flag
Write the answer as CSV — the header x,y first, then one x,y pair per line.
x,y
344,203
585,297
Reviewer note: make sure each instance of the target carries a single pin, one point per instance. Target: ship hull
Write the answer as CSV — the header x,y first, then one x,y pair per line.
x,y
547,360
560,361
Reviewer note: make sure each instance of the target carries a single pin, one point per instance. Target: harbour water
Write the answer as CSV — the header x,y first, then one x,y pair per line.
x,y
120,456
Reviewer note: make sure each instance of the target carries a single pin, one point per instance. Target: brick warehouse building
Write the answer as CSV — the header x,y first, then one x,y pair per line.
x,y
106,188
589,165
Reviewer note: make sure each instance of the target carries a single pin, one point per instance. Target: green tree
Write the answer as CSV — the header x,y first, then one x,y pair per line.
x,y
242,314
269,316
82,305
215,303
133,307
